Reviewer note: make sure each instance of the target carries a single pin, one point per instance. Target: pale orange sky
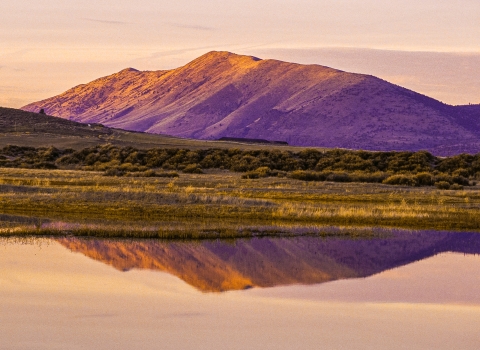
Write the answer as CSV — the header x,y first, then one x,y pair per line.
x,y
48,46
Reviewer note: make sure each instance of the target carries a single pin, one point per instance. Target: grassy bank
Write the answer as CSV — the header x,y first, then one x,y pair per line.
x,y
222,204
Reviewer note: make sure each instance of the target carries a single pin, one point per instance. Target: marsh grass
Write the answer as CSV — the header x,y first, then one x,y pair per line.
x,y
232,206
187,230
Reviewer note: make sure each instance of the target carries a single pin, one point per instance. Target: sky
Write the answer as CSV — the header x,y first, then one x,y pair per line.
x,y
48,46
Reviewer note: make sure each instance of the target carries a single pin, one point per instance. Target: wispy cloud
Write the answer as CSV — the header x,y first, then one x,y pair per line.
x,y
192,26
103,21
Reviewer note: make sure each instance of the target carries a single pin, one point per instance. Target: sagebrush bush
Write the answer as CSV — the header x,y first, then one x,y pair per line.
x,y
192,169
114,172
259,173
442,185
424,179
401,180
307,175
456,187
169,174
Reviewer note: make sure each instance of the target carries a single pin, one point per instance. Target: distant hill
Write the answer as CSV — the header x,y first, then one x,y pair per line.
x,y
18,121
22,128
222,94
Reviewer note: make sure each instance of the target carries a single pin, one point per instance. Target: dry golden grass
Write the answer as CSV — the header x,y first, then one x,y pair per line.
x,y
221,198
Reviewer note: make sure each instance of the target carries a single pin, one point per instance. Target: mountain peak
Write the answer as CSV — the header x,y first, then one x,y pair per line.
x,y
212,55
220,57
129,70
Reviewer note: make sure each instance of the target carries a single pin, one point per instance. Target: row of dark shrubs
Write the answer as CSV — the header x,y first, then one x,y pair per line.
x,y
443,181
248,160
400,168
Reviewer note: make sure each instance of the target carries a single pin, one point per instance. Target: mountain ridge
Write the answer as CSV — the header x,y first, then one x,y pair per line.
x,y
221,94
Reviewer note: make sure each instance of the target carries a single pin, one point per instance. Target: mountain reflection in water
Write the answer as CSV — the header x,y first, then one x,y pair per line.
x,y
216,266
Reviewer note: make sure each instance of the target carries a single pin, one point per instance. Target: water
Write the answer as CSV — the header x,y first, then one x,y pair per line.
x,y
411,290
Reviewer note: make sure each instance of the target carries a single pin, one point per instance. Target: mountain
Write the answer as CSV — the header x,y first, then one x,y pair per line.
x,y
266,262
221,94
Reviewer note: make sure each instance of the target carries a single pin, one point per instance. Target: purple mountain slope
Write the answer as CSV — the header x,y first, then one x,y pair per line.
x,y
222,94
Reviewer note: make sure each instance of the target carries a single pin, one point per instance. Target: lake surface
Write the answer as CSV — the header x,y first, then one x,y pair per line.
x,y
410,290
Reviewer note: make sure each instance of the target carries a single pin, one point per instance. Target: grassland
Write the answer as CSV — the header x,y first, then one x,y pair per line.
x,y
219,204
22,128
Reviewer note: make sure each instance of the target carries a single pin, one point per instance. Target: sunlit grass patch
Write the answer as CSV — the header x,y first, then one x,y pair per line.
x,y
75,196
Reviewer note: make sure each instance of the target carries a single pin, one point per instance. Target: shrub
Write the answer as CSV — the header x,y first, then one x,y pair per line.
x,y
442,185
251,175
339,177
129,167
114,164
460,180
377,177
257,173
443,178
169,174
263,172
456,187
168,167
192,169
114,172
400,180
278,173
149,173
424,179
461,172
